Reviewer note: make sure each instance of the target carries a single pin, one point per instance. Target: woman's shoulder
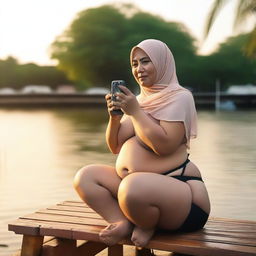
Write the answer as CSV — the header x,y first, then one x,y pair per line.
x,y
185,95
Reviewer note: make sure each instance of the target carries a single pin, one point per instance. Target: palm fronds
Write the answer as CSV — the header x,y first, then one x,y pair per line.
x,y
244,10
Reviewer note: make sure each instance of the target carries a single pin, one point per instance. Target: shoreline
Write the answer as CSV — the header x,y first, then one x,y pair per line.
x,y
202,100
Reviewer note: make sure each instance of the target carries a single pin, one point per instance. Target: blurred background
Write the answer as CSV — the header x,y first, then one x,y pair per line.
x,y
57,60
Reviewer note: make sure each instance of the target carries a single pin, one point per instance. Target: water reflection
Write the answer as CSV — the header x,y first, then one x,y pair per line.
x,y
225,151
40,151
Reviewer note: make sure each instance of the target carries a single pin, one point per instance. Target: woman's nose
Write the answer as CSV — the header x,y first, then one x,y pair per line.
x,y
140,67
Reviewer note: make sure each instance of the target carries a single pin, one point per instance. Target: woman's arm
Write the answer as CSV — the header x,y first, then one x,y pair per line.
x,y
119,128
163,138
118,131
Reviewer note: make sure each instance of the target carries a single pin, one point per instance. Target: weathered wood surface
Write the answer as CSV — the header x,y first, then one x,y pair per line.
x,y
75,220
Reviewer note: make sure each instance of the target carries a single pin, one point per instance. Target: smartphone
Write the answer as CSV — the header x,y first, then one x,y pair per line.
x,y
115,89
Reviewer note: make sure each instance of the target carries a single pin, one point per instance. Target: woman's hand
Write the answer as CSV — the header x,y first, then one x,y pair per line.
x,y
111,107
127,101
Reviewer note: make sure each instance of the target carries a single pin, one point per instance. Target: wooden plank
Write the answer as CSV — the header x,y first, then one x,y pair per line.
x,y
240,238
70,208
234,228
85,233
229,237
75,206
65,219
65,230
231,226
31,245
199,247
226,220
202,235
69,213
74,203
27,229
68,231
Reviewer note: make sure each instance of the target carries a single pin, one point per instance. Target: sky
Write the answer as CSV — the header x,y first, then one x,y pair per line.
x,y
28,27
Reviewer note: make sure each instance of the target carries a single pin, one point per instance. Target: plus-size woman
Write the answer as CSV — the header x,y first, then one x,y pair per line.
x,y
153,185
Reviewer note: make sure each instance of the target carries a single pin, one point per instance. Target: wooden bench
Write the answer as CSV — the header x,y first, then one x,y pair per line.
x,y
74,228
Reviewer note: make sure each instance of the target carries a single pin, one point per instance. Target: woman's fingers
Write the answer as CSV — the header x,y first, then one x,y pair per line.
x,y
108,96
125,90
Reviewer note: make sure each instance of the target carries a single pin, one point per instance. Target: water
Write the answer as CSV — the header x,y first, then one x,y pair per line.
x,y
41,150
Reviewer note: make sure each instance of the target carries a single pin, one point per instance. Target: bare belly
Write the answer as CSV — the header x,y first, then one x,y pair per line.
x,y
133,157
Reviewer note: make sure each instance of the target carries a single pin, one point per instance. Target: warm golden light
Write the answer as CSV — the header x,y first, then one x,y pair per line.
x,y
27,28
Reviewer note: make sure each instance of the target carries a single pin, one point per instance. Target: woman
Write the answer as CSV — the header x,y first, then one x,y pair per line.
x,y
153,185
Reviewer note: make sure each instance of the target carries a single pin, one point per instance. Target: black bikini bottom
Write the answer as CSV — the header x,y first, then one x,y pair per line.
x,y
196,219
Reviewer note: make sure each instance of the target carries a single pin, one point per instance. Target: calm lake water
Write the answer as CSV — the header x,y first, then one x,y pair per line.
x,y
41,150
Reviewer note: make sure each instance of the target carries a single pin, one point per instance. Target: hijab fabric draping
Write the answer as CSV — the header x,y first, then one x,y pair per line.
x,y
166,100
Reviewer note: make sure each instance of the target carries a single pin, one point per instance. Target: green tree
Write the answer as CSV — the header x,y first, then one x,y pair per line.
x,y
228,64
245,9
95,49
92,49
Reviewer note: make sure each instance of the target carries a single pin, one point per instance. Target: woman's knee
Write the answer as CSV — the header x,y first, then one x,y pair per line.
x,y
85,174
132,189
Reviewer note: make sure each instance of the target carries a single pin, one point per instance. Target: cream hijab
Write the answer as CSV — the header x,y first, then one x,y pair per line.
x,y
166,100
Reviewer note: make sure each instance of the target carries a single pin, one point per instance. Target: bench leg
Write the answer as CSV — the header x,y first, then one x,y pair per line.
x,y
90,248
142,252
59,247
115,250
31,245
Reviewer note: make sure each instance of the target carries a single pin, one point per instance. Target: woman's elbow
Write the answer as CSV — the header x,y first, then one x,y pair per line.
x,y
115,150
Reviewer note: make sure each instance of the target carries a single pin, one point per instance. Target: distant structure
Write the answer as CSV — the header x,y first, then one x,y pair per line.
x,y
66,88
97,91
242,89
33,88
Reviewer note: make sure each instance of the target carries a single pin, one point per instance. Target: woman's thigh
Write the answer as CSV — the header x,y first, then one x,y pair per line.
x,y
172,197
102,175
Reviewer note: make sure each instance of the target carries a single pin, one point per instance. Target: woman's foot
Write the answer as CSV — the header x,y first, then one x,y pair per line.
x,y
141,237
115,232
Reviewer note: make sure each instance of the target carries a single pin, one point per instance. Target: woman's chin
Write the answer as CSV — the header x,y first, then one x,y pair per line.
x,y
144,83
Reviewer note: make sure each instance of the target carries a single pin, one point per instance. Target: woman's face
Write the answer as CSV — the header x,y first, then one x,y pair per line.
x,y
143,69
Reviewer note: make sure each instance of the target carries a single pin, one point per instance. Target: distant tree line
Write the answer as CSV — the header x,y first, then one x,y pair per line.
x,y
15,75
95,50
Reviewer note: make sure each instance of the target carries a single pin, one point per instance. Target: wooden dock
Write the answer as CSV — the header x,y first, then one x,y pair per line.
x,y
71,221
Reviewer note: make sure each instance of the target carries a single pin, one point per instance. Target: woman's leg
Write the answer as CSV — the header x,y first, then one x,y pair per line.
x,y
97,185
151,200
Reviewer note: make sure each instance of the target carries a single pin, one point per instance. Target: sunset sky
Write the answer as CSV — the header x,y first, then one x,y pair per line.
x,y
28,27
